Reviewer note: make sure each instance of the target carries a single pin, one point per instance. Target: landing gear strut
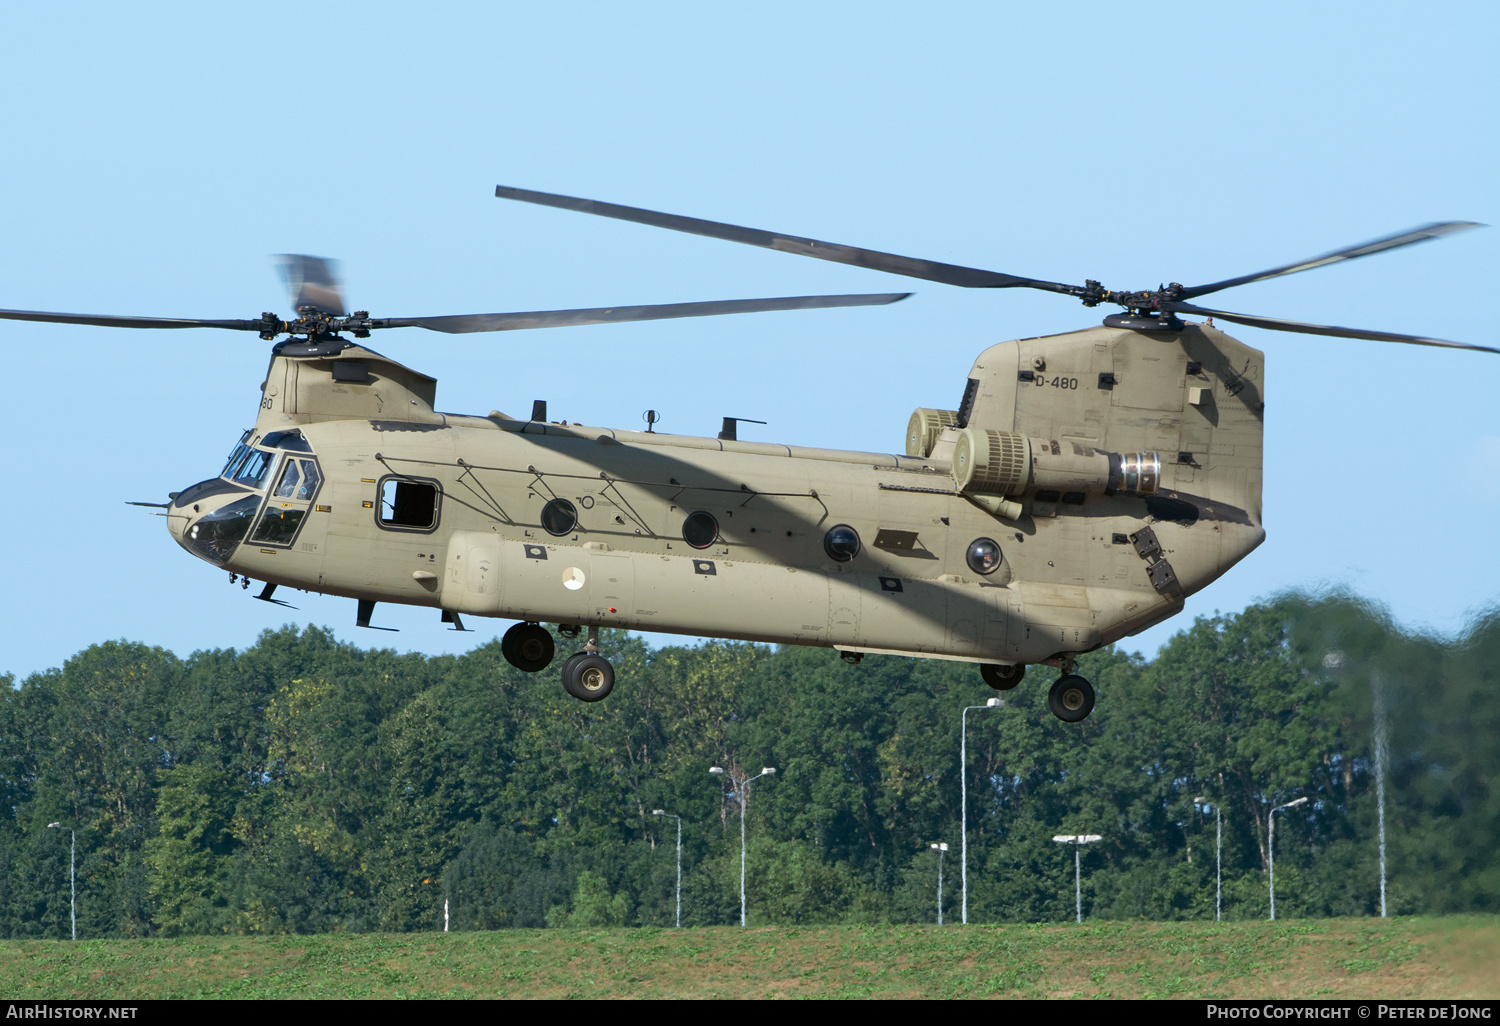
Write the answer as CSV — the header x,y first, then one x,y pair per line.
x,y
527,646
1071,698
588,676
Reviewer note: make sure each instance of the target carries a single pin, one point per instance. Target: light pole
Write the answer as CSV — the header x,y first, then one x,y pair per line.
x,y
1271,847
1218,863
941,849
1077,841
661,812
742,785
72,877
963,806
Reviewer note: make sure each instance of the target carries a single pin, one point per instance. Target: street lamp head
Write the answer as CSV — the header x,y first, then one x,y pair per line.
x,y
717,771
658,812
768,771
53,826
1299,801
995,703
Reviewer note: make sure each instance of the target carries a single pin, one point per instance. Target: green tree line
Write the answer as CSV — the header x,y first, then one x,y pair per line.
x,y
305,785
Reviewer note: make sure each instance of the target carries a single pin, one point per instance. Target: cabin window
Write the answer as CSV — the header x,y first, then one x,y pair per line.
x,y
559,517
700,529
408,504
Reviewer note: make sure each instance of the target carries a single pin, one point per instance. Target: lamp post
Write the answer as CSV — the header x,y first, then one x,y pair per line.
x,y
963,807
72,876
1077,841
1218,863
661,812
1271,847
742,786
941,849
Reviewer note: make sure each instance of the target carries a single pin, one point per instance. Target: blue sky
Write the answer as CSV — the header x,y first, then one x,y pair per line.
x,y
156,157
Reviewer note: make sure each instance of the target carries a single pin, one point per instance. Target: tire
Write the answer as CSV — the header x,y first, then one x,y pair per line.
x,y
1071,698
588,677
528,647
1002,678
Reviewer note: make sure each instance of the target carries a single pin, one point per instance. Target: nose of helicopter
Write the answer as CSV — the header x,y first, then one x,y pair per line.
x,y
211,518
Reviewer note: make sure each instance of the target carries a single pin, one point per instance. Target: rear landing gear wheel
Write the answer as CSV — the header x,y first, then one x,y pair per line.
x,y
527,646
1002,678
588,677
1071,698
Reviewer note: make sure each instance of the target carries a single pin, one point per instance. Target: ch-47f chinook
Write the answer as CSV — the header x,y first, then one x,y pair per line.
x,y
1085,485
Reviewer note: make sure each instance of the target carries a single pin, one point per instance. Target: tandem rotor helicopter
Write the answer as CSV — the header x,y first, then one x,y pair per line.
x,y
1085,485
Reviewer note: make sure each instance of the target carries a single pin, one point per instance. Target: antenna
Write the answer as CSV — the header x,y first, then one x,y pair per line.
x,y
731,424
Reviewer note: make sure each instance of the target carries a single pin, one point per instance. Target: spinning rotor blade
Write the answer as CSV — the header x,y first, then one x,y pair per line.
x,y
931,270
1406,238
114,321
461,323
313,283
1277,324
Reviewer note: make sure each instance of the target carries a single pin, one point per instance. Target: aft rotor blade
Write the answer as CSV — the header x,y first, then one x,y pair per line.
x,y
115,321
930,270
313,283
1277,324
461,323
1406,238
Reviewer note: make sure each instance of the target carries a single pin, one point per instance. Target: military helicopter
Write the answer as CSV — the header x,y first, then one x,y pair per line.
x,y
1085,485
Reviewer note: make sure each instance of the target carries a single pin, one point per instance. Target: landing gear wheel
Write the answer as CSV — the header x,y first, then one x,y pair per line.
x,y
527,646
1002,678
1071,698
588,677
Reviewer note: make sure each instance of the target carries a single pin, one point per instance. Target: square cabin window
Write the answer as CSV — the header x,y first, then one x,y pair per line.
x,y
407,505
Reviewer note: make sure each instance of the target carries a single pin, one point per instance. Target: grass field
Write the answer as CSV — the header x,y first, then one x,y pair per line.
x,y
1338,958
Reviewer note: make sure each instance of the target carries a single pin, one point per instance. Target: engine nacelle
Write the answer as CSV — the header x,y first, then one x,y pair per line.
x,y
924,429
1005,463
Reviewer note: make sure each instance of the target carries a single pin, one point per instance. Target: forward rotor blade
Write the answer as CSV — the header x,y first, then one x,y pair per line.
x,y
313,283
114,321
931,270
462,323
1277,324
1406,238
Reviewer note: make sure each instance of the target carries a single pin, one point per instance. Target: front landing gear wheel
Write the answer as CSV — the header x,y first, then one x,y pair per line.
x,y
1071,698
588,677
1002,678
527,646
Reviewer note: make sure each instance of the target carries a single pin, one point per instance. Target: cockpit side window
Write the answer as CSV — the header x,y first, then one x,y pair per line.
x,y
289,477
310,479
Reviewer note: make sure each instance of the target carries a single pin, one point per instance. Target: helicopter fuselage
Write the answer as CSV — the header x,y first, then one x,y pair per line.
x,y
365,491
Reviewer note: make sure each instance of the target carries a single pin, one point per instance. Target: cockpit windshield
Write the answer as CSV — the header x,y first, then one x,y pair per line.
x,y
249,463
238,454
252,468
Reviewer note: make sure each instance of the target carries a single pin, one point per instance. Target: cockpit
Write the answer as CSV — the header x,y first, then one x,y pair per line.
x,y
264,493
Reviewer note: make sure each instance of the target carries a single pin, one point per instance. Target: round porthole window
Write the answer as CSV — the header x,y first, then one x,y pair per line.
x,y
700,530
983,555
559,517
841,543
